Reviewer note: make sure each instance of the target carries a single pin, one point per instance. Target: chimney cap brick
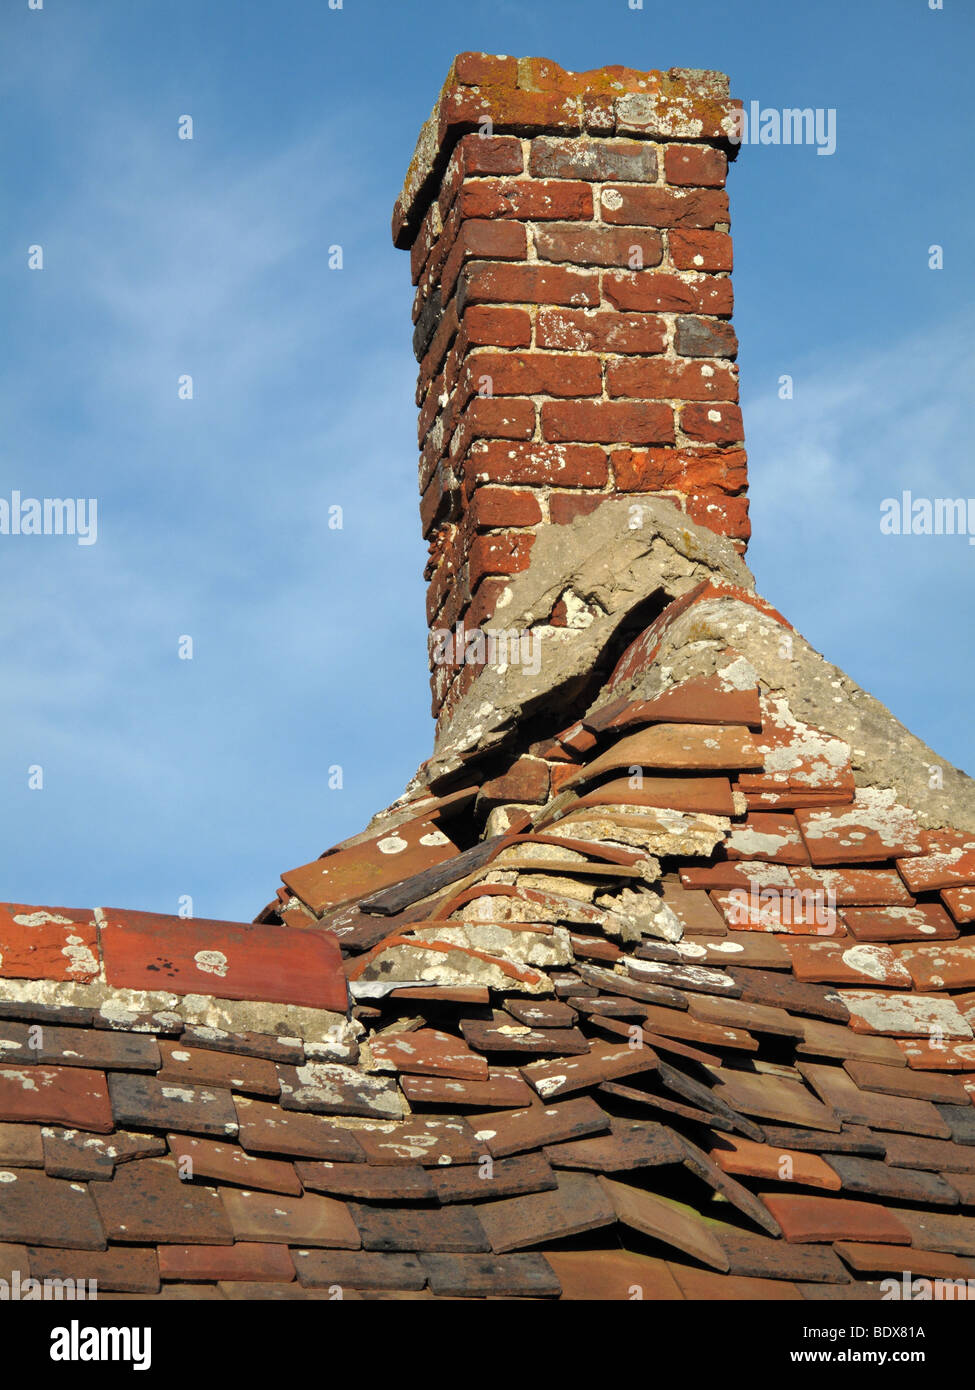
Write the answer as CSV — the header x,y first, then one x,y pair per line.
x,y
533,95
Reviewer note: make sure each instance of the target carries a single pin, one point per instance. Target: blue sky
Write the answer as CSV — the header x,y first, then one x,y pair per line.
x,y
165,777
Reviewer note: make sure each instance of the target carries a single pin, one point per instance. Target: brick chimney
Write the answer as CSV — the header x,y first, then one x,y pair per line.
x,y
569,243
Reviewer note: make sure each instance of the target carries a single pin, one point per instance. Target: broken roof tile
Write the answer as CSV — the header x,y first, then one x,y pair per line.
x,y
378,862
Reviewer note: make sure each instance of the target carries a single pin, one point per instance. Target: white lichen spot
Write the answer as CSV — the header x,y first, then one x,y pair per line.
x,y
211,962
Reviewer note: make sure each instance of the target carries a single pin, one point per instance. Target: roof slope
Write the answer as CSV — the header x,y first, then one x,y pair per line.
x,y
673,997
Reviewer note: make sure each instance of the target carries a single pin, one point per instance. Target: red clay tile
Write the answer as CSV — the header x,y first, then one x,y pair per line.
x,y
608,1275
937,1054
848,963
901,1081
70,1096
940,967
430,1142
856,887
503,1088
767,837
307,1220
666,1221
952,867
604,1062
630,1144
93,1047
873,828
743,1157
146,1203
960,902
267,1129
403,1183
870,1259
202,1158
694,747
702,1286
515,1131
860,1107
578,1204
276,965
427,1052
923,922
248,1260
21,1146
39,1210
691,795
116,1270
192,1066
503,1177
805,1218
935,1230
386,858
904,1015
73,1153
47,943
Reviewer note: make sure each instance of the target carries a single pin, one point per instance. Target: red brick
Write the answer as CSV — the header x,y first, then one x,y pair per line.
x,y
487,417
530,374
697,165
246,1260
525,200
632,161
486,325
489,241
681,470
278,965
697,423
485,70
502,506
556,464
530,284
663,293
661,379
600,330
608,422
498,554
599,245
564,507
728,516
701,250
485,601
489,154
663,207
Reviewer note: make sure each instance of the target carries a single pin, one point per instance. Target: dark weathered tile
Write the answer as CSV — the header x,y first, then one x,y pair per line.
x,y
365,1181
267,1129
604,1062
454,1230
73,1153
332,1088
578,1204
116,1270
503,1177
879,1179
146,1203
154,1104
358,1269
478,1276
630,1144
192,1066
516,1131
38,1210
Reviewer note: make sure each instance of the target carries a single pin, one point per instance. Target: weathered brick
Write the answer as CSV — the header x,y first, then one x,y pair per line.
x,y
698,337
484,324
599,245
634,161
663,207
662,292
529,284
530,374
564,507
502,506
658,378
525,200
482,240
608,422
498,554
682,470
600,330
562,465
485,70
489,154
728,516
488,417
691,250
695,165
712,424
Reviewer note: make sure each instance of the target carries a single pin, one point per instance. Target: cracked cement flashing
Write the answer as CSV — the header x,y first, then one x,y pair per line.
x,y
884,752
608,565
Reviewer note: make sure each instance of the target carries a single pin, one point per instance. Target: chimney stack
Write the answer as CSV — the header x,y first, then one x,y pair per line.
x,y
569,243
